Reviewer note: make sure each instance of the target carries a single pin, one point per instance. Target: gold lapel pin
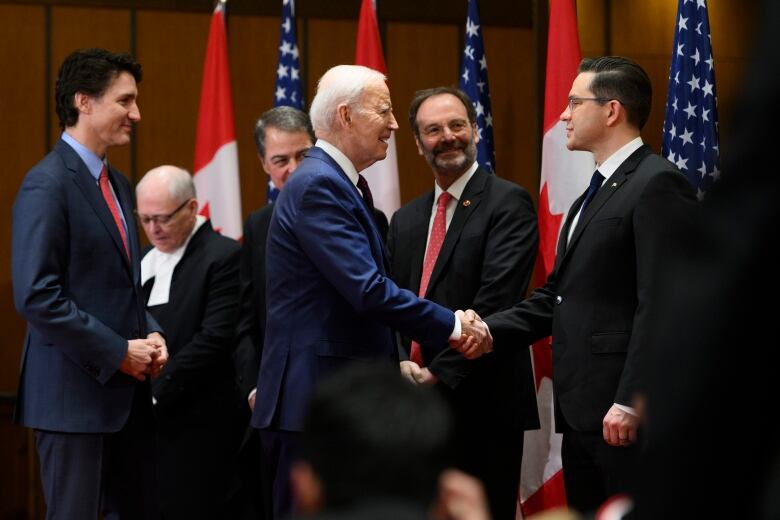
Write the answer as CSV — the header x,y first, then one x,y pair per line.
x,y
466,203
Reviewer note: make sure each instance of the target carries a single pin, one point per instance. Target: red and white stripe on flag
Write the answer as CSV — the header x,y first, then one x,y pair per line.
x,y
216,153
382,176
564,177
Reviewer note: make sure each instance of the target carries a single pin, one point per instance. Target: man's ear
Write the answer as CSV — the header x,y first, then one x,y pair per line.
x,y
616,112
82,102
419,145
344,115
308,493
262,163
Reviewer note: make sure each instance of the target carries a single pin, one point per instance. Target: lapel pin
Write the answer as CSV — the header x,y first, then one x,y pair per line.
x,y
466,203
614,184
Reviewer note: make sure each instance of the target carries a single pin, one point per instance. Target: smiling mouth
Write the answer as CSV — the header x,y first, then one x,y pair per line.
x,y
449,151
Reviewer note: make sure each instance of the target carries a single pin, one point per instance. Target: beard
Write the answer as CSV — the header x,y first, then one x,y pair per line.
x,y
456,163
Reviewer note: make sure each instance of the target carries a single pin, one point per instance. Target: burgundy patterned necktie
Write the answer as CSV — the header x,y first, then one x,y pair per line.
x,y
363,185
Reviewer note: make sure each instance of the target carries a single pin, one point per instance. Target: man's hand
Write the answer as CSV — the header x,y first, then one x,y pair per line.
x,y
461,497
410,371
416,374
158,363
138,360
475,337
620,427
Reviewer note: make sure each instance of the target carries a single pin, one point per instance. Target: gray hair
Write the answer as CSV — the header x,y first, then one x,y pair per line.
x,y
342,84
178,181
286,119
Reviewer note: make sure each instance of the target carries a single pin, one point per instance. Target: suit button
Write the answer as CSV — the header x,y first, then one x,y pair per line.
x,y
558,300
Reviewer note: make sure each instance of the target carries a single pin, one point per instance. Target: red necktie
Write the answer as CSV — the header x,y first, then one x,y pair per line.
x,y
438,230
105,189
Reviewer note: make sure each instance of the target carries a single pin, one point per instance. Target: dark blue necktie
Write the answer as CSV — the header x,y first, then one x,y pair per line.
x,y
595,184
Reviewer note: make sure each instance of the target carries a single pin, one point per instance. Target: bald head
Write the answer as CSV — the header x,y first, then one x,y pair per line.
x,y
167,206
177,181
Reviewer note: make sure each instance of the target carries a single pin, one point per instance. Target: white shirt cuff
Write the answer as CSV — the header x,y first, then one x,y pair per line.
x,y
455,336
627,409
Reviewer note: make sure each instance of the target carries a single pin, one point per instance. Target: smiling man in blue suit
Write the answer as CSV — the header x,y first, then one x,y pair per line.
x,y
330,303
88,352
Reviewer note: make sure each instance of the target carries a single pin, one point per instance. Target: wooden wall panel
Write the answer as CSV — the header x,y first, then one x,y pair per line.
x,y
22,134
170,47
76,28
510,58
253,74
591,23
329,43
418,57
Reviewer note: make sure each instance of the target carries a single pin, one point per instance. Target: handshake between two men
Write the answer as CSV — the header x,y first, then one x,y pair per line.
x,y
475,340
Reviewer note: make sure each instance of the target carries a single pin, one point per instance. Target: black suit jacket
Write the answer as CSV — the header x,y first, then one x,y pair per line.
x,y
485,263
595,301
251,327
199,321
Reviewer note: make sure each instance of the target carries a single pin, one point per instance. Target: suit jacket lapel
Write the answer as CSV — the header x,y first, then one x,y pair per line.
x,y
419,239
610,187
89,188
319,153
472,193
126,203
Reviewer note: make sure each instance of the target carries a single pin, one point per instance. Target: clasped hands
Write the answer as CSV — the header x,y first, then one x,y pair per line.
x,y
145,357
475,338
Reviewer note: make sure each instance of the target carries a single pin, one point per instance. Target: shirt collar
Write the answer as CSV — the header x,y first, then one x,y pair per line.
x,y
154,259
613,162
341,159
93,162
457,187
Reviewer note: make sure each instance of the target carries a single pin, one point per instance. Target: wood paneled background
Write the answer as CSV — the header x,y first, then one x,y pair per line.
x,y
423,44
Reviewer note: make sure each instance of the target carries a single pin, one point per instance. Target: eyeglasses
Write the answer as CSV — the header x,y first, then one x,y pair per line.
x,y
456,127
577,101
161,220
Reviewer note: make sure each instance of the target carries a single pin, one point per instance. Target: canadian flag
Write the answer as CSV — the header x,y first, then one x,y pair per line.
x,y
382,176
216,153
565,175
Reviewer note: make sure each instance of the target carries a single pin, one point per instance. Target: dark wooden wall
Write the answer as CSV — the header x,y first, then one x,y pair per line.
x,y
422,47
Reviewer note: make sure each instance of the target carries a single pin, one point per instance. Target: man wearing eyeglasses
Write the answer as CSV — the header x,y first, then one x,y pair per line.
x,y
190,284
596,299
483,258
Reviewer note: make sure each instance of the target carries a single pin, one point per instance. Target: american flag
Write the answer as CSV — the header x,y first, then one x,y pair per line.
x,y
288,90
474,82
690,137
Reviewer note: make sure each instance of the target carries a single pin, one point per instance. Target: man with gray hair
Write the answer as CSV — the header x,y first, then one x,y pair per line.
x,y
330,303
191,287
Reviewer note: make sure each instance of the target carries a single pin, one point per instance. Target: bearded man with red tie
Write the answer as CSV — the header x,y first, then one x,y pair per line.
x,y
469,243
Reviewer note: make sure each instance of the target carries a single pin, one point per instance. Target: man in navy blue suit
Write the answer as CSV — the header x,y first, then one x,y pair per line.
x,y
329,301
90,346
